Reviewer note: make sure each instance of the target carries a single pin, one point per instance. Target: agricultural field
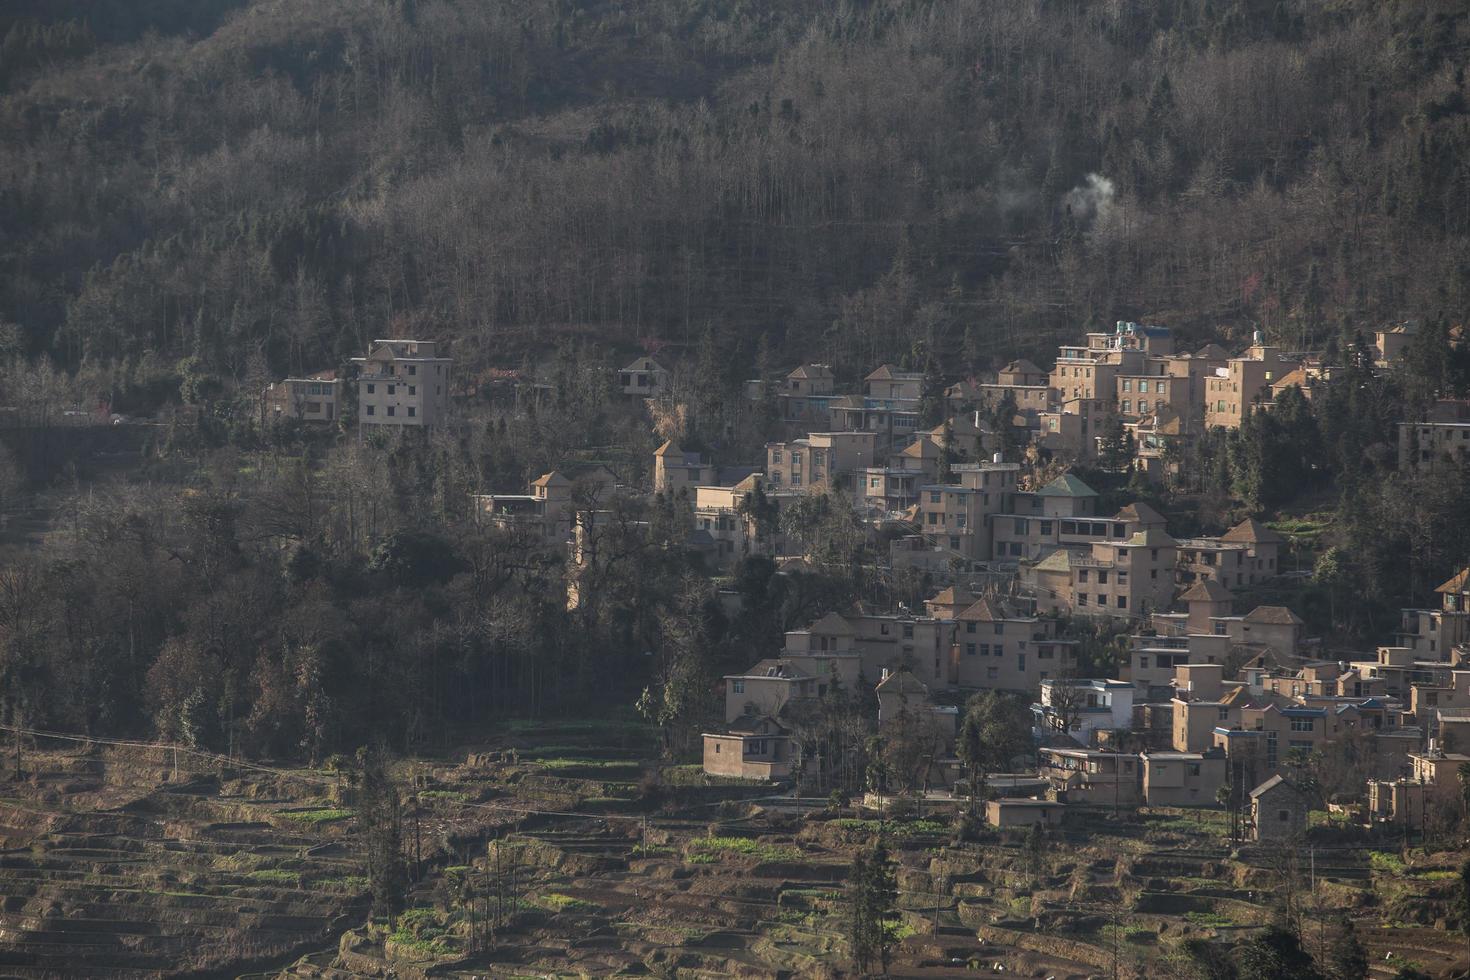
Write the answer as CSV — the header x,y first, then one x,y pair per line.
x,y
583,857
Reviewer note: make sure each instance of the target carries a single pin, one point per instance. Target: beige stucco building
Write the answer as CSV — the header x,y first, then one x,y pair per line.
x,y
402,383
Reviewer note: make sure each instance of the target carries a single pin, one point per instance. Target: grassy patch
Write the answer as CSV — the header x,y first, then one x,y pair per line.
x,y
1386,862
701,858
744,846
909,828
1210,920
275,876
557,902
318,817
448,795
1438,875
349,883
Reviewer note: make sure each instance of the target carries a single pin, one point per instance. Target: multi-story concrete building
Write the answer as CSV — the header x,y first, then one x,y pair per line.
x,y
824,460
402,383
1441,441
956,519
1127,579
314,398
1083,708
675,470
1435,634
1243,383
1243,556
888,383
1183,778
997,647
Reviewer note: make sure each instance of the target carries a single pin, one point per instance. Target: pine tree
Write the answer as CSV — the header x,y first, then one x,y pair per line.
x,y
1346,959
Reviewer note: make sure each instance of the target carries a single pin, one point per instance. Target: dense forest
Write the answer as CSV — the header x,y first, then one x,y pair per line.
x,y
199,197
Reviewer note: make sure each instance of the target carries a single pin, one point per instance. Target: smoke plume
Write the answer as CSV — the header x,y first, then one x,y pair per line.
x,y
1093,198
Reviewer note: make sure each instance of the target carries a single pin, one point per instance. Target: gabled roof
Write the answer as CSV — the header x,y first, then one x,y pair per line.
x,y
1460,583
668,449
776,667
1066,485
832,624
922,448
1152,538
749,483
981,611
1021,366
903,682
1212,351
883,372
1296,377
1252,531
552,479
1273,615
811,371
1269,785
1206,590
947,597
1140,512
644,364
756,725
1059,560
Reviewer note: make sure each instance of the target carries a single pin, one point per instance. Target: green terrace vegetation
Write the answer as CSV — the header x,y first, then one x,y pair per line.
x,y
710,847
895,828
324,815
558,902
275,876
1387,862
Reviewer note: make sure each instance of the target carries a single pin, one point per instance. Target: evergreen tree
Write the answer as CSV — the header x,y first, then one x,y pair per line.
x,y
1346,959
380,813
1274,954
872,890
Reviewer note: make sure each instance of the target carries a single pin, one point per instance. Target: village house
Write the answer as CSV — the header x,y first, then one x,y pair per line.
x,y
1441,441
1435,634
402,383
918,644
824,460
1243,383
1010,812
754,747
956,518
999,648
1390,342
904,700
544,512
1061,513
314,398
675,470
1092,776
894,487
1185,779
644,378
767,688
1083,707
1278,810
1243,556
1123,579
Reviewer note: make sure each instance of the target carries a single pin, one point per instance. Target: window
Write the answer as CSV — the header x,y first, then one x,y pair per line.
x,y
372,389
370,409
1082,598
1128,385
1301,724
1143,406
413,369
1122,578
1102,576
992,673
1046,529
1021,525
1127,406
1000,629
1143,661
390,411
1122,602
954,543
1143,387
935,496
969,627
739,686
883,628
1021,662
413,389
775,455
908,631
1102,600
1082,575
412,411
969,649
391,389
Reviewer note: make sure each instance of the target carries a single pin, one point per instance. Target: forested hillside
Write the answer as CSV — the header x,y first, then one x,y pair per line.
x,y
196,198
211,180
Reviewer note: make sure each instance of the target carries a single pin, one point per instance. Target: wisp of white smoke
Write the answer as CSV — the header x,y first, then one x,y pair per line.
x,y
1093,198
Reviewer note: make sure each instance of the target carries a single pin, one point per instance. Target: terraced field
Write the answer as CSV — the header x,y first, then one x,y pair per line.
x,y
557,851
105,872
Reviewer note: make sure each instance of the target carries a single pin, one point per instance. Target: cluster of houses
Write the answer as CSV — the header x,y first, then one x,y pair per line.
x,y
1211,704
1207,704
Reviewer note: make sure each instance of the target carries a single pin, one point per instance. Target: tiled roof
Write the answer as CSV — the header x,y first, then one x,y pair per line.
x,y
552,479
1460,583
1140,512
1152,538
1273,615
1067,485
1206,590
1252,531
